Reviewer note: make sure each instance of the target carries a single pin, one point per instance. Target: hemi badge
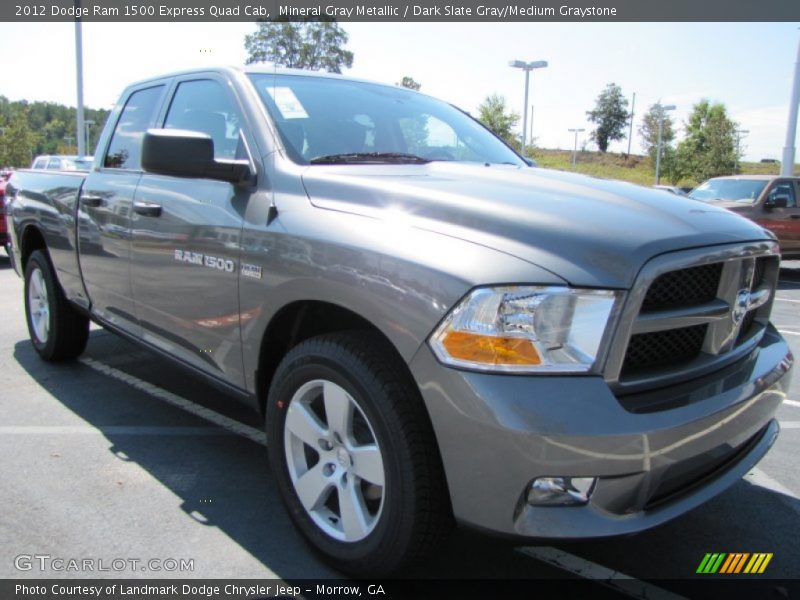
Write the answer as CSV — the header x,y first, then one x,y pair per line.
x,y
251,271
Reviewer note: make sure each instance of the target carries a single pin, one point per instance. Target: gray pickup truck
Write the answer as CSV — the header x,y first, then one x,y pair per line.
x,y
433,330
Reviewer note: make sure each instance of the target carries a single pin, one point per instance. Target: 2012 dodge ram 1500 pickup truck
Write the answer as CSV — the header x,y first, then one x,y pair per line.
x,y
431,328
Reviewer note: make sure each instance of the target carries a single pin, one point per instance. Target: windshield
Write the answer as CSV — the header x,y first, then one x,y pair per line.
x,y
325,120
738,190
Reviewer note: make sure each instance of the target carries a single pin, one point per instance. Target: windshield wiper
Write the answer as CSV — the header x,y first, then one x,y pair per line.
x,y
369,158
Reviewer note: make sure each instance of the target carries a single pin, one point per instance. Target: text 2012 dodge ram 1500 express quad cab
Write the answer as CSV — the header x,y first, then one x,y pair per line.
x,y
431,328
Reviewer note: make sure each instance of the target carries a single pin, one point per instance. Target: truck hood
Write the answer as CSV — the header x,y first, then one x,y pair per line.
x,y
588,231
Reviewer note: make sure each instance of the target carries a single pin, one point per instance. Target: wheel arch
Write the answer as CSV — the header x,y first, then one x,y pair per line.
x,y
300,320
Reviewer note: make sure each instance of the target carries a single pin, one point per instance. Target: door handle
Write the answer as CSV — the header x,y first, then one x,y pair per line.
x,y
147,209
91,201
795,216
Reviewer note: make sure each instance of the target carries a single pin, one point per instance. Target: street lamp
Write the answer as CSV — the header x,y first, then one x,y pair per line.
x,y
575,147
739,133
87,124
662,109
527,67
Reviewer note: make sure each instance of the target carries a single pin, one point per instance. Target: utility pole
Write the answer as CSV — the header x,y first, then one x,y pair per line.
x,y
575,147
630,130
739,133
661,113
80,128
787,161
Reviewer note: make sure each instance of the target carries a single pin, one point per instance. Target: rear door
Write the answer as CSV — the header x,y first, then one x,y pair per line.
x,y
104,210
186,236
783,222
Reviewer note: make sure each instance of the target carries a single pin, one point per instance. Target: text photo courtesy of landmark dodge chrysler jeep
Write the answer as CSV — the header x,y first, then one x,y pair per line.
x,y
434,331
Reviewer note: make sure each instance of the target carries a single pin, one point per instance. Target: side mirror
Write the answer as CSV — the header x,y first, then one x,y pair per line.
x,y
182,153
780,201
530,162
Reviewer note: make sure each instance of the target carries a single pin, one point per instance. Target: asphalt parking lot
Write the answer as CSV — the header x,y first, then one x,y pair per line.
x,y
121,455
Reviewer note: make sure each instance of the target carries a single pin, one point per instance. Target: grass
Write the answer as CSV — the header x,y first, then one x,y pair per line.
x,y
633,168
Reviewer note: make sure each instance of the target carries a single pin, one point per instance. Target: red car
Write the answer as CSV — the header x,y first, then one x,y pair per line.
x,y
769,200
4,238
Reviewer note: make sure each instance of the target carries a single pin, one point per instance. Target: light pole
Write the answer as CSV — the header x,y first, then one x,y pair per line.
x,y
739,133
88,124
575,147
662,109
527,67
787,160
630,129
79,83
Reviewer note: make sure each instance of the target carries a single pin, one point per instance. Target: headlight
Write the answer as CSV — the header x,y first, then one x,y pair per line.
x,y
526,329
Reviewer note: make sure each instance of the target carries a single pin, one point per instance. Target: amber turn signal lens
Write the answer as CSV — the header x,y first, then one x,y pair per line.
x,y
491,350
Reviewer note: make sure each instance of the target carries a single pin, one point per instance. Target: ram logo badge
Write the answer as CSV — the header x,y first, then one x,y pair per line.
x,y
206,260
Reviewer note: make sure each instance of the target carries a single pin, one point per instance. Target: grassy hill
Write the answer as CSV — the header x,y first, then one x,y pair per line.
x,y
633,168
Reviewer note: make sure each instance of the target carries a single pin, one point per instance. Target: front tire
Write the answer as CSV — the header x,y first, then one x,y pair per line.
x,y
57,330
354,455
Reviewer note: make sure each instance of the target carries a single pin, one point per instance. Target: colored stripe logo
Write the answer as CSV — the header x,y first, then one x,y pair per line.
x,y
734,563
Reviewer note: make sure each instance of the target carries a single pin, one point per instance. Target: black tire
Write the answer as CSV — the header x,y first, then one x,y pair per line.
x,y
67,329
415,512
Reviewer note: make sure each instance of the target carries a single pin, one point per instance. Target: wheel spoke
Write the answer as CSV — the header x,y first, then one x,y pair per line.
x,y
353,512
368,464
338,410
301,422
312,487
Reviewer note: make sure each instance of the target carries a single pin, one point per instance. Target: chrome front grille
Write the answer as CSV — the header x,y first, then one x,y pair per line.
x,y
691,313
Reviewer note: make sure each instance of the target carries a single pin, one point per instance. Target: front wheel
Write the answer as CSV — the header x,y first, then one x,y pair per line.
x,y
353,454
57,330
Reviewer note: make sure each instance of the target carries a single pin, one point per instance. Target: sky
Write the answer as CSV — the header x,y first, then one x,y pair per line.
x,y
746,66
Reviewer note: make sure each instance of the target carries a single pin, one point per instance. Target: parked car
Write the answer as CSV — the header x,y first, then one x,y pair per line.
x,y
58,162
432,330
769,200
4,238
672,189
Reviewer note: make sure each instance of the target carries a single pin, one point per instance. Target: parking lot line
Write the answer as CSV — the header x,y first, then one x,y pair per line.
x,y
794,403
790,424
236,427
108,430
584,568
787,332
779,299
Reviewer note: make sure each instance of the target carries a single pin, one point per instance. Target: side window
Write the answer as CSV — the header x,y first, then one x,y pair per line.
x,y
204,105
125,149
54,164
40,163
784,188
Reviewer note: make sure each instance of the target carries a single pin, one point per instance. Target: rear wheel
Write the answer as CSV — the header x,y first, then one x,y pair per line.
x,y
57,330
353,454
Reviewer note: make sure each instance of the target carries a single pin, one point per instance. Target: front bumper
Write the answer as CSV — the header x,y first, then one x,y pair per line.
x,y
656,455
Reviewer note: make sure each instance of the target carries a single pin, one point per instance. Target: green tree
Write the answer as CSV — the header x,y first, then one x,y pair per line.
x,y
611,116
494,113
648,130
410,83
18,140
709,148
312,45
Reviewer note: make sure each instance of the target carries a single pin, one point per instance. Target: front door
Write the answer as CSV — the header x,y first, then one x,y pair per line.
x,y
186,235
783,222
